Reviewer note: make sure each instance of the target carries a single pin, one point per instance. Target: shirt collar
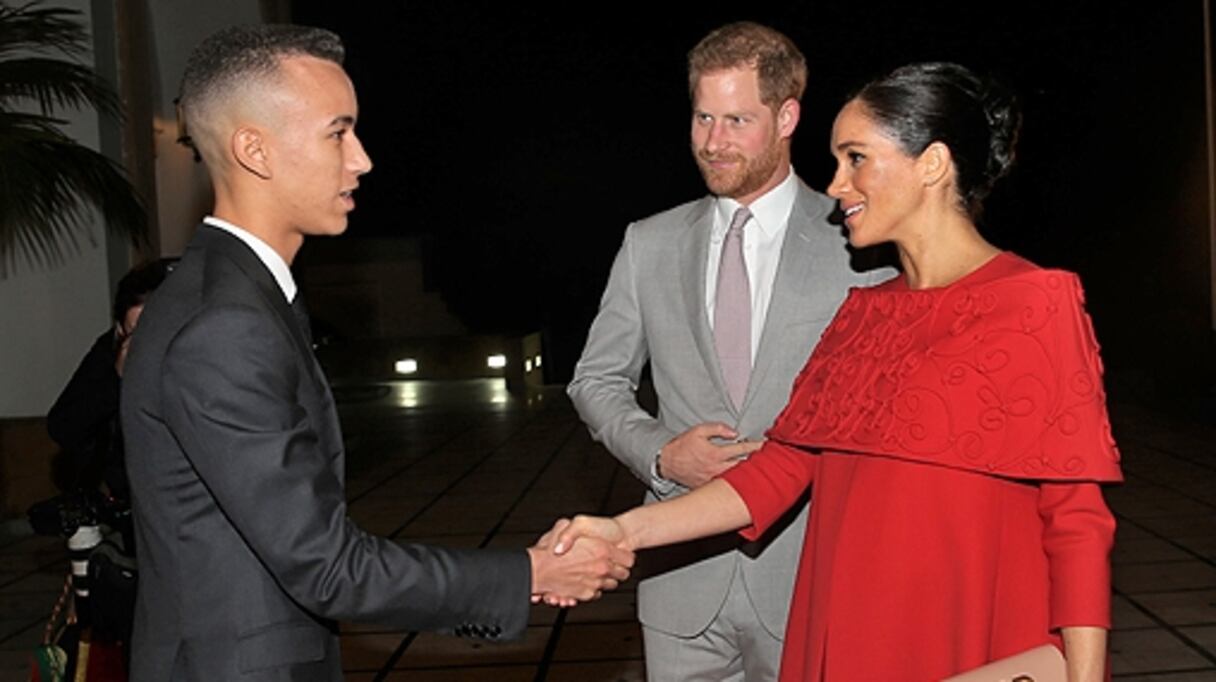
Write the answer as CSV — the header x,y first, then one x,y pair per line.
x,y
770,211
269,257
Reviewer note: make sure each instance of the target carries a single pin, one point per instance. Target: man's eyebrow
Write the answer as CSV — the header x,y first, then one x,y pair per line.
x,y
728,114
344,120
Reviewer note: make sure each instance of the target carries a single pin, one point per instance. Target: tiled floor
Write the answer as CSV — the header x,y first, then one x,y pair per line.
x,y
468,464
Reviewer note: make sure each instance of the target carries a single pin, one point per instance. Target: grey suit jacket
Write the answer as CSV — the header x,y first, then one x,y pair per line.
x,y
653,310
246,555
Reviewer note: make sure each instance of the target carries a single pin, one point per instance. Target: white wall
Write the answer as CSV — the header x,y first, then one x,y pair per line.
x,y
49,317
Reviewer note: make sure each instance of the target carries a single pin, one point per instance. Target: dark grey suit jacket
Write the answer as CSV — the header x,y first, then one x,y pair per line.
x,y
246,555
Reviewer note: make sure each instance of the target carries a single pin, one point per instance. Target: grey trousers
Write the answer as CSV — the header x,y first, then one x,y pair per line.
x,y
734,648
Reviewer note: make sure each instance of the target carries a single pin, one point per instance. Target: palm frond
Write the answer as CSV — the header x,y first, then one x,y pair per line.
x,y
55,84
48,183
30,28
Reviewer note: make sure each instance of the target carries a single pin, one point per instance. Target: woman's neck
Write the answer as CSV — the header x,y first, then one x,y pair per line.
x,y
943,251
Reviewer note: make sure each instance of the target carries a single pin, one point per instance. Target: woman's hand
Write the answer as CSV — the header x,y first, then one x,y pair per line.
x,y
711,509
607,529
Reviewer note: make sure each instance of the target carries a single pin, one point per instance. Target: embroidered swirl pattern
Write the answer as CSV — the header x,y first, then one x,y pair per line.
x,y
1000,376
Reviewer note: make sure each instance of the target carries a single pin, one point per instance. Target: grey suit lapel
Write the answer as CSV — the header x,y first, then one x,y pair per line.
x,y
693,250
806,221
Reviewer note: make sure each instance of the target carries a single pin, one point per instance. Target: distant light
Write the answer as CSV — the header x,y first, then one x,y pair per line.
x,y
406,366
527,365
496,361
537,361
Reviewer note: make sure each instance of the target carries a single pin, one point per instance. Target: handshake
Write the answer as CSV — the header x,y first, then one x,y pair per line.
x,y
577,560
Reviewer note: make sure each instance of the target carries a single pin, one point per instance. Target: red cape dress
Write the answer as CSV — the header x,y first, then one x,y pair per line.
x,y
955,438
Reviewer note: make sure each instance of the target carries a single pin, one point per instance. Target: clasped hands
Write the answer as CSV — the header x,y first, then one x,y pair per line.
x,y
592,554
577,560
580,572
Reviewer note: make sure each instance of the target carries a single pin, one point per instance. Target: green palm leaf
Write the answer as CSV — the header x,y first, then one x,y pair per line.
x,y
49,183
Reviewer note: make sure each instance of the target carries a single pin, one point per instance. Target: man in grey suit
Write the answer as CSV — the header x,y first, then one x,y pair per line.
x,y
246,555
725,297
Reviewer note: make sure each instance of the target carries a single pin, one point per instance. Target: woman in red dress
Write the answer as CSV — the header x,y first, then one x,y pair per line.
x,y
951,423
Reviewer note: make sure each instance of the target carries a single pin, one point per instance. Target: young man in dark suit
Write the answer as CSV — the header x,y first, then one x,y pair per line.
x,y
246,555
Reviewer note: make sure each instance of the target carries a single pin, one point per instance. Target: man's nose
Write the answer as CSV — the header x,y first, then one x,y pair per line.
x,y
359,162
715,138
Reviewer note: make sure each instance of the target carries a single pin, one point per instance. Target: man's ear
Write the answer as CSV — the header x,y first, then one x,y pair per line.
x,y
935,163
787,117
250,151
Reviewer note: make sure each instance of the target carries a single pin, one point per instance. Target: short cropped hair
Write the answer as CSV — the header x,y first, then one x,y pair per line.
x,y
779,63
234,57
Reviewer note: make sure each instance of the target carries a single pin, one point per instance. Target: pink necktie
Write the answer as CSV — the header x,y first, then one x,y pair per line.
x,y
733,311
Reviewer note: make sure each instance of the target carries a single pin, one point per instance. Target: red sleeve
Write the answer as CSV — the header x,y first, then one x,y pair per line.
x,y
1078,532
1077,438
770,482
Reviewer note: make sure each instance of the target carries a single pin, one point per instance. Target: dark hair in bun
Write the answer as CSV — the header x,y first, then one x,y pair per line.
x,y
975,117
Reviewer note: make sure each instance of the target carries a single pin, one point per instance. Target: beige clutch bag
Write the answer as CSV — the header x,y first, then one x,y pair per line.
x,y
1041,664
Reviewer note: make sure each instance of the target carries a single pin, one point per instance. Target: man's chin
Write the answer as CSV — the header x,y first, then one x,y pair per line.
x,y
721,185
329,230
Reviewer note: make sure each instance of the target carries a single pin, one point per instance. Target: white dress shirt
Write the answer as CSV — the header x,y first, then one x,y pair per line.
x,y
271,258
763,235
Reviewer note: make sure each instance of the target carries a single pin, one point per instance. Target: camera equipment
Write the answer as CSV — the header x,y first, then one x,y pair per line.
x,y
63,514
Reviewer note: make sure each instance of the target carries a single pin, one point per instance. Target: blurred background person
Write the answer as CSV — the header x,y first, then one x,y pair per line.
x,y
84,421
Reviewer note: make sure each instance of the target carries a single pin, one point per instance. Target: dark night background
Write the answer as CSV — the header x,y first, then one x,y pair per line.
x,y
520,141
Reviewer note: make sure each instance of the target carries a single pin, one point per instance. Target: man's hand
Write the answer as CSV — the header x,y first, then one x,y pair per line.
x,y
581,573
692,459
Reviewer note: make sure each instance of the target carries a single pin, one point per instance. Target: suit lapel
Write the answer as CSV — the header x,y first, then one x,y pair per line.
x,y
793,275
694,251
219,241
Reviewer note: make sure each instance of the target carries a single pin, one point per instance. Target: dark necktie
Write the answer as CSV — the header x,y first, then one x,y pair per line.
x,y
301,313
733,311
